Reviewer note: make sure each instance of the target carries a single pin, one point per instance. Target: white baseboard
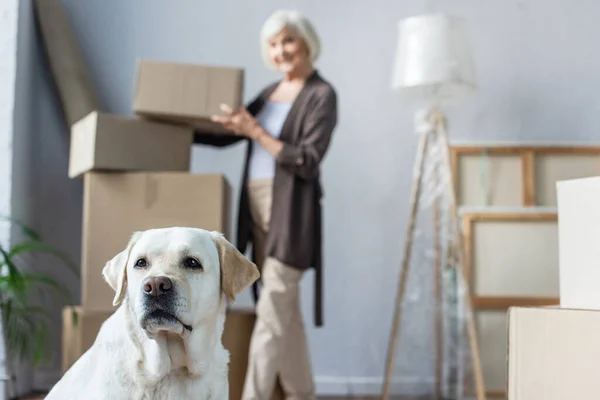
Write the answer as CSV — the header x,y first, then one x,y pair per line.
x,y
370,386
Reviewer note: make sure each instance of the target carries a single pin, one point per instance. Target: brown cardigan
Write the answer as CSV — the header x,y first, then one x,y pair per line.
x,y
295,232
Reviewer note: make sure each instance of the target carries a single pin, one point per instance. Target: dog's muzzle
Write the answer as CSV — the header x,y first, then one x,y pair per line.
x,y
159,298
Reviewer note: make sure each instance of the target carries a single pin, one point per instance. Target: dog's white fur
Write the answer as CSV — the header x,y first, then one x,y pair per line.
x,y
163,359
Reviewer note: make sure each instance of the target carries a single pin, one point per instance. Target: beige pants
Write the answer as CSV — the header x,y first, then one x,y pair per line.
x,y
278,346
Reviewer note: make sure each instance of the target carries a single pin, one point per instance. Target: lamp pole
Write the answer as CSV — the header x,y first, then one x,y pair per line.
x,y
434,65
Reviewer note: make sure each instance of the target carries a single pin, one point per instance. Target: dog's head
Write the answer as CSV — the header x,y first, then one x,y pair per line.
x,y
176,278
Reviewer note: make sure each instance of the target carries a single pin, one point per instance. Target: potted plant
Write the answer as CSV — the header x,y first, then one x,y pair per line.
x,y
24,324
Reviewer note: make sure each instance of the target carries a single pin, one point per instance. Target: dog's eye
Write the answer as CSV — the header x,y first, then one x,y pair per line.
x,y
192,263
141,263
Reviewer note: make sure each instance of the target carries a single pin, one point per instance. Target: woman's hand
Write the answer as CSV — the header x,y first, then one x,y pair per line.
x,y
241,122
244,124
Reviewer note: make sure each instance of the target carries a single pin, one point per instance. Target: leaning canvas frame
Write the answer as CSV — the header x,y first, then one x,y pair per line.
x,y
492,336
499,302
531,170
493,307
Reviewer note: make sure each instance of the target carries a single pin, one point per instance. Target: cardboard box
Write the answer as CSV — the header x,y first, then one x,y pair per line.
x,y
553,354
104,142
579,251
187,93
117,204
236,338
79,334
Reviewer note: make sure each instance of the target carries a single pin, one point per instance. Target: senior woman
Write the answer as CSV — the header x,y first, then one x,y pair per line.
x,y
288,127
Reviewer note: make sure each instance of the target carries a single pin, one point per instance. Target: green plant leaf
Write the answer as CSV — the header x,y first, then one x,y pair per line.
x,y
18,289
27,337
30,233
26,326
6,311
33,278
74,317
36,246
18,334
10,290
41,344
12,269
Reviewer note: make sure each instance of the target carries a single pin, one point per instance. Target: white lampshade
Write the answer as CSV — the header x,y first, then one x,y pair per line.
x,y
433,60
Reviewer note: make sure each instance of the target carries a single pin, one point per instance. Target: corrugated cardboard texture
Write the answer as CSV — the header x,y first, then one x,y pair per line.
x,y
579,249
186,92
236,339
78,337
553,354
104,142
117,204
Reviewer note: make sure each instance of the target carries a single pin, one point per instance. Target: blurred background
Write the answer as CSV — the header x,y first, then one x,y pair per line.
x,y
536,72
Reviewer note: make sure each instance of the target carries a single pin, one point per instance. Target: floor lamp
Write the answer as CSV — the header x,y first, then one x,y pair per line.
x,y
434,68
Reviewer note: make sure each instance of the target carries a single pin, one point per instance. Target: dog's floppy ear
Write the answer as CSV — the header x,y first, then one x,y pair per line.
x,y
115,270
237,272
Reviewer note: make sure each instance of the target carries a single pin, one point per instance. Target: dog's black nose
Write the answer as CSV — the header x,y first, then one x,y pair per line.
x,y
157,286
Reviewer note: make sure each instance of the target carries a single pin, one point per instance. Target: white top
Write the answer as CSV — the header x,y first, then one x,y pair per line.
x,y
271,117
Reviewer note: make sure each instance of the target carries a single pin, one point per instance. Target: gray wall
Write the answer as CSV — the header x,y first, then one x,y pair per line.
x,y
42,196
538,75
24,163
8,71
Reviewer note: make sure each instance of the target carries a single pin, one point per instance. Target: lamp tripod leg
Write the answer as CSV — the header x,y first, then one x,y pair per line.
x,y
437,273
408,242
470,325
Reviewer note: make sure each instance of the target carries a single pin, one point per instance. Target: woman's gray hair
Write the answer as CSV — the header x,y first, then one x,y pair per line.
x,y
295,21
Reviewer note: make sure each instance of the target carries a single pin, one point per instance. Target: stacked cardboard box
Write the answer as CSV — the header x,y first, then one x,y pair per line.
x,y
136,176
136,168
170,101
553,351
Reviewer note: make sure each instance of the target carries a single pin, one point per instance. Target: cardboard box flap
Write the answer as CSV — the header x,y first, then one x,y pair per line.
x,y
82,151
553,354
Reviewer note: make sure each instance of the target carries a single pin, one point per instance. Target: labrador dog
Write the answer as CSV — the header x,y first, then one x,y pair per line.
x,y
172,286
